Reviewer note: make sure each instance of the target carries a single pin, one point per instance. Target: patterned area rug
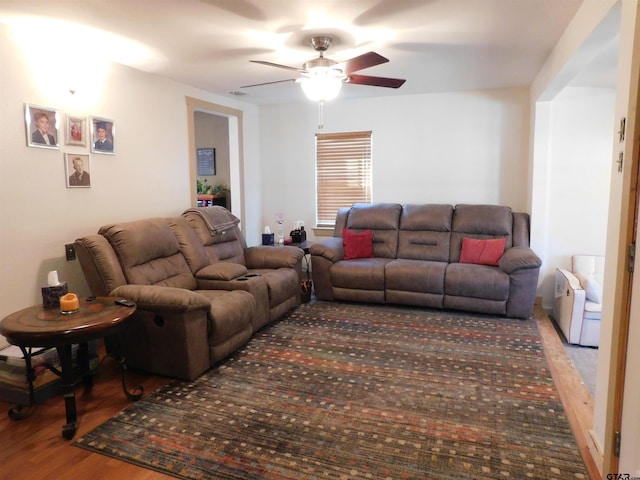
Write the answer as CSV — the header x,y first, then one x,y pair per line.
x,y
345,391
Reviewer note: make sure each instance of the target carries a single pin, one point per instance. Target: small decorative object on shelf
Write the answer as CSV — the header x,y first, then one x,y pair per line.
x,y
280,236
298,235
202,186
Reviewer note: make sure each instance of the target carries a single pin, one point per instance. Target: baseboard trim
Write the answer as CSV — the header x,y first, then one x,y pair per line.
x,y
596,450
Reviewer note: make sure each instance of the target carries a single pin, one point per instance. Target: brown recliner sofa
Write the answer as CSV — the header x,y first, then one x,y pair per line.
x,y
417,259
221,260
183,325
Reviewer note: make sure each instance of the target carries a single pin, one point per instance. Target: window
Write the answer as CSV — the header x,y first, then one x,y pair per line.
x,y
343,173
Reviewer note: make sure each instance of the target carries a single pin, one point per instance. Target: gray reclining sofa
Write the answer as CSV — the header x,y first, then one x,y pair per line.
x,y
416,259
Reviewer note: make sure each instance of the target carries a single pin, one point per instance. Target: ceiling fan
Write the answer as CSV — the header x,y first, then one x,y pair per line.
x,y
321,78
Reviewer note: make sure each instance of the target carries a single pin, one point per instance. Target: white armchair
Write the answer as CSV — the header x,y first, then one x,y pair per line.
x,y
577,306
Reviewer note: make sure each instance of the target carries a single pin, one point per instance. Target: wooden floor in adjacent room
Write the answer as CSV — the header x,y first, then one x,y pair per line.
x,y
33,448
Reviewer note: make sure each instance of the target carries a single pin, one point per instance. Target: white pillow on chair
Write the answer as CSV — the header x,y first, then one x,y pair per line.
x,y
592,289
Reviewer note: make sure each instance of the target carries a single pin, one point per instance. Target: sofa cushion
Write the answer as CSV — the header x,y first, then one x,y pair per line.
x,y
476,281
280,282
480,221
374,216
383,220
360,273
357,245
484,252
225,246
425,232
415,276
149,253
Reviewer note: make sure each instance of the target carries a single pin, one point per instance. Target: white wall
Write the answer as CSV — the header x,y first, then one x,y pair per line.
x,y
578,175
574,51
465,147
148,175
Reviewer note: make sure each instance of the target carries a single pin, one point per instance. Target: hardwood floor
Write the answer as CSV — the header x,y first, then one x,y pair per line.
x,y
575,397
34,448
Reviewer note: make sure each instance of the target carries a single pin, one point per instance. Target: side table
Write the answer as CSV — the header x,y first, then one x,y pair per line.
x,y
304,246
306,285
37,326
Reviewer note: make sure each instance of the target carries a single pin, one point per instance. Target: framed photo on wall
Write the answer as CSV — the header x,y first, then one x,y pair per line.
x,y
77,168
76,131
41,126
103,134
206,161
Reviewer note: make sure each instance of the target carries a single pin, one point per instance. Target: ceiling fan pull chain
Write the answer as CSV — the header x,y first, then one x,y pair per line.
x,y
320,115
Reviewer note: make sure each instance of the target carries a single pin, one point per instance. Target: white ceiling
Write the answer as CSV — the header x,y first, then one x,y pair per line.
x,y
437,45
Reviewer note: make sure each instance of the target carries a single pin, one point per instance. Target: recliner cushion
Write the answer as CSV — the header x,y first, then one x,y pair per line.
x,y
480,221
383,220
476,281
360,273
149,253
592,289
415,276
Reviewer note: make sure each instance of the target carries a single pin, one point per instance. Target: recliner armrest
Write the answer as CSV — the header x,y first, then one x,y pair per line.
x,y
569,279
221,271
163,299
263,256
330,248
518,258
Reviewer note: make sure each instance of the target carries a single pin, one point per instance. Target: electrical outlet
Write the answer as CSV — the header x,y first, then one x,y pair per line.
x,y
70,252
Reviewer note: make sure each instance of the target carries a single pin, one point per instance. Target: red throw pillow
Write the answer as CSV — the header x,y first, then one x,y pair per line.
x,y
484,252
357,245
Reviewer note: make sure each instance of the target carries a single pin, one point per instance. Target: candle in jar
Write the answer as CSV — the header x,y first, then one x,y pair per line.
x,y
69,302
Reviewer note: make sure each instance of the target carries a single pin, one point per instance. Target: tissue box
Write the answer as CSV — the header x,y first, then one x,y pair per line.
x,y
267,238
51,295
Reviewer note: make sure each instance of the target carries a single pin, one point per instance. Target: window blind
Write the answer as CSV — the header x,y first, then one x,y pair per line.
x,y
343,173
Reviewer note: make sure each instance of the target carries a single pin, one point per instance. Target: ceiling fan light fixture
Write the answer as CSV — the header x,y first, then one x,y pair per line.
x,y
322,84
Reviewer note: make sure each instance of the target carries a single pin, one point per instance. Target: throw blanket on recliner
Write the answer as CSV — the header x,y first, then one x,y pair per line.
x,y
217,218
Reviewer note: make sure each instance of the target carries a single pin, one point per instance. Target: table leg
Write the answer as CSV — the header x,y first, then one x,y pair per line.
x,y
115,348
69,382
137,391
16,412
82,361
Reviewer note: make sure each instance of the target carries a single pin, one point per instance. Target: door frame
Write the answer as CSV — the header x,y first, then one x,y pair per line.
x,y
628,147
236,151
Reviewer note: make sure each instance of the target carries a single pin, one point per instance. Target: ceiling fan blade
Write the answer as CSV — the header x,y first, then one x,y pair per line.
x,y
376,81
277,65
269,83
361,62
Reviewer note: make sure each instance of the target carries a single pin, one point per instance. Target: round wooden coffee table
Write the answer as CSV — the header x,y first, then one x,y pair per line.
x,y
47,327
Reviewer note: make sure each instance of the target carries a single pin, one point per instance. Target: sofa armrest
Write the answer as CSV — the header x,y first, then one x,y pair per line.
x,y
263,256
330,248
163,299
519,258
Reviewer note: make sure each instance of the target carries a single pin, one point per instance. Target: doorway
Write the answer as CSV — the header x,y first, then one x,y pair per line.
x,y
231,162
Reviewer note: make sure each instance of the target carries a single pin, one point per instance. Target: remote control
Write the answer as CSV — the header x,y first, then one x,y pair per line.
x,y
125,303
